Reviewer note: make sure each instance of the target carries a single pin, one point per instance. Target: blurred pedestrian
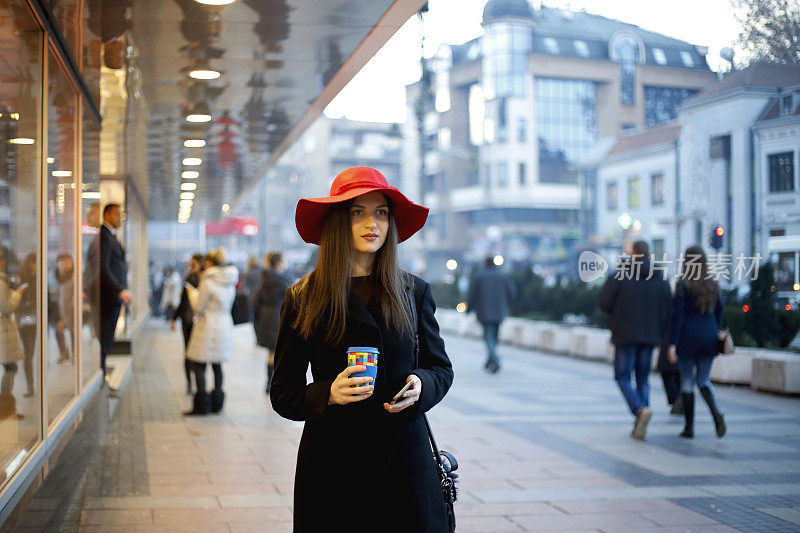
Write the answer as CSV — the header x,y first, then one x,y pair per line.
x,y
185,314
267,302
357,295
10,347
251,279
113,279
27,324
211,340
696,325
65,296
638,299
156,289
171,293
490,296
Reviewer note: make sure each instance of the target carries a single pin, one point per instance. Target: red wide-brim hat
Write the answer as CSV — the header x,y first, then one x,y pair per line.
x,y
311,212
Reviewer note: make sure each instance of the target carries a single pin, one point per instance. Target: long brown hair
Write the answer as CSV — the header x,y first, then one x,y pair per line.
x,y
322,296
694,276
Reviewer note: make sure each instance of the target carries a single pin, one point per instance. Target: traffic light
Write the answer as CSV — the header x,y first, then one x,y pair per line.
x,y
717,237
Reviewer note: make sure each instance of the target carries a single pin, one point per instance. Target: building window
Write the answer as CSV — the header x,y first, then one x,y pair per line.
x,y
581,48
502,174
658,248
611,199
781,172
505,52
633,192
566,125
777,232
659,56
628,127
487,174
661,103
444,139
787,104
657,189
625,51
522,172
687,59
551,45
522,130
502,113
477,114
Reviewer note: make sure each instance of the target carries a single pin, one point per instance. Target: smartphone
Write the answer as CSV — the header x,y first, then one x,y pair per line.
x,y
399,395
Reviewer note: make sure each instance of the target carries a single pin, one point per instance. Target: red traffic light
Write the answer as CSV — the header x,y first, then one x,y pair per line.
x,y
720,231
745,308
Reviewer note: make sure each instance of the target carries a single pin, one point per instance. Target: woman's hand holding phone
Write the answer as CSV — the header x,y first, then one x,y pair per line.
x,y
409,398
343,390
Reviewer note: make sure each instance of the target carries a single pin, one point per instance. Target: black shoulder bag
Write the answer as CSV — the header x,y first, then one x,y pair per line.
x,y
446,464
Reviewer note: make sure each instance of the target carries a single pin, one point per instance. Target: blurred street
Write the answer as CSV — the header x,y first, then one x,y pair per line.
x,y
543,446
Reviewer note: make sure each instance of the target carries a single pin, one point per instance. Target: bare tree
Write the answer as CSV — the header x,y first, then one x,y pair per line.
x,y
770,29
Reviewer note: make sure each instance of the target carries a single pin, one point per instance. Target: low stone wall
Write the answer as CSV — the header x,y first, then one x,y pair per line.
x,y
769,370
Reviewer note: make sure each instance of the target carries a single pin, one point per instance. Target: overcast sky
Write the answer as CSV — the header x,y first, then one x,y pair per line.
x,y
377,93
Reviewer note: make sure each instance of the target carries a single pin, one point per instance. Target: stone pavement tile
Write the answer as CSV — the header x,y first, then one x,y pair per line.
x,y
719,528
234,501
487,484
172,528
730,490
787,514
493,524
609,523
179,479
272,527
153,502
116,517
254,477
500,509
211,490
587,483
212,516
36,519
617,506
682,517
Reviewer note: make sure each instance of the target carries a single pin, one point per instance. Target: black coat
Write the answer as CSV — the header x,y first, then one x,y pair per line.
x,y
267,302
357,463
639,307
490,295
694,334
184,312
113,268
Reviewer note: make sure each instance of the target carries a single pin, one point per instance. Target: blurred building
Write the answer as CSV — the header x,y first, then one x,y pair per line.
x,y
728,163
499,123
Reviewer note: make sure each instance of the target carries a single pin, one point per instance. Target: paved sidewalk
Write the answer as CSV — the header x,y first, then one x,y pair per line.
x,y
543,446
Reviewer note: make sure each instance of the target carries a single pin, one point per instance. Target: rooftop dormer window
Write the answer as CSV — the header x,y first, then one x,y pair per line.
x,y
787,104
659,56
551,45
581,48
686,57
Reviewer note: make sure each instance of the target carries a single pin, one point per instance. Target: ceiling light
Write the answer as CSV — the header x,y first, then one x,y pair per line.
x,y
92,195
182,220
190,174
225,208
204,74
51,160
21,140
185,203
215,2
194,143
62,173
187,196
198,118
192,161
188,186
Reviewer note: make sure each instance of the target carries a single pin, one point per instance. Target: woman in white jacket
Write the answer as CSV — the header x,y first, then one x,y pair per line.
x,y
211,340
10,347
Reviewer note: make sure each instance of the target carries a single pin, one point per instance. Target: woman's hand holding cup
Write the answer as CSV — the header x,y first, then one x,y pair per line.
x,y
344,389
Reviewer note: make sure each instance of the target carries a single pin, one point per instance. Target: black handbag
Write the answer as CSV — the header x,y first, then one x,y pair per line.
x,y
446,463
240,311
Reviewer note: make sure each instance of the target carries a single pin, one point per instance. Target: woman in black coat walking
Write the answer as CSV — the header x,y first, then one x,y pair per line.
x,y
267,302
361,460
696,321
185,313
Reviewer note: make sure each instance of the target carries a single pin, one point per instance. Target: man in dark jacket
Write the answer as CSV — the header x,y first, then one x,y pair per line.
x,y
490,295
113,279
638,299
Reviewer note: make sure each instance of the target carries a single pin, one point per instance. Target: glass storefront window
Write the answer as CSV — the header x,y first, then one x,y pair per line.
x,y
90,224
60,357
20,168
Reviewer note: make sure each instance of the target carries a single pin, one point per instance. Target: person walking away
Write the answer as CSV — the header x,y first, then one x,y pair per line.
x,y
490,296
251,279
696,324
638,300
26,317
357,295
171,294
185,313
10,350
65,296
211,340
113,279
267,302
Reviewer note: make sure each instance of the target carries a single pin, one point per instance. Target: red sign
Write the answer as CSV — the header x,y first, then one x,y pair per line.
x,y
232,226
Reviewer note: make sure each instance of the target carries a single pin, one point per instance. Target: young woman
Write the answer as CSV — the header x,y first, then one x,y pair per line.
x,y
361,460
211,340
267,302
65,292
185,314
696,319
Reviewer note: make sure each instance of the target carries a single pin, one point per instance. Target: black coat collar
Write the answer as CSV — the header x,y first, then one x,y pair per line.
x,y
358,311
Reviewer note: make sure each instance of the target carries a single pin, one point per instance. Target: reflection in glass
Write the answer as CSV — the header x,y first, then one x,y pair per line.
x,y
20,72
661,103
90,224
61,183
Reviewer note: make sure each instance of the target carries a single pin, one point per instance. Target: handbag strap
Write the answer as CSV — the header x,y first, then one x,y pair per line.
x,y
415,321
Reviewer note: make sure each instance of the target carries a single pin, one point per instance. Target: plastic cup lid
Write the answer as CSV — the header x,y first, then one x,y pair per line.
x,y
363,349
